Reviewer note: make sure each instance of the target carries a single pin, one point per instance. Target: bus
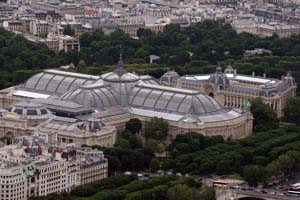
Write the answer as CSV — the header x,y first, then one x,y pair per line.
x,y
225,183
220,184
294,190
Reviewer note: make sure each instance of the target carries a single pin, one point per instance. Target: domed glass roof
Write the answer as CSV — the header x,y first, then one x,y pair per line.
x,y
113,77
172,100
92,96
171,73
57,82
129,90
120,74
29,109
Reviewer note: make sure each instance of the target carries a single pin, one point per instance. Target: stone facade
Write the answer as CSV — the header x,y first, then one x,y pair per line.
x,y
31,169
12,179
67,43
39,27
57,129
232,90
79,105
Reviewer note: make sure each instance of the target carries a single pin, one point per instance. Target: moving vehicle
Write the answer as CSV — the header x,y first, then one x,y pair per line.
x,y
294,190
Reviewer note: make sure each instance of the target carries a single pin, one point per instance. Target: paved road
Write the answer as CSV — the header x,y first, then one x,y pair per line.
x,y
225,193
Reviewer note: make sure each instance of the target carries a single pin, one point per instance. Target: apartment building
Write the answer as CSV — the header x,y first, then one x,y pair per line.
x,y
13,179
6,11
92,170
15,25
50,16
29,167
266,29
38,27
68,43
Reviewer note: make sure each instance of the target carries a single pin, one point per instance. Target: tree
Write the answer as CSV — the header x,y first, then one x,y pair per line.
x,y
255,174
264,117
63,196
143,32
260,160
85,39
135,142
92,188
22,75
296,156
141,53
156,128
184,148
154,146
206,193
123,143
114,164
287,164
155,164
184,192
6,140
134,125
82,63
273,169
292,110
68,30
180,192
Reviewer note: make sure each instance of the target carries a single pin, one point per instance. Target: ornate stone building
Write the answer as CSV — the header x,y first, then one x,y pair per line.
x,y
80,104
28,118
232,90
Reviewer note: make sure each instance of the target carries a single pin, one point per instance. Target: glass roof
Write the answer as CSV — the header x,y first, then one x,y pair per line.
x,y
59,82
94,93
154,98
112,76
29,108
92,97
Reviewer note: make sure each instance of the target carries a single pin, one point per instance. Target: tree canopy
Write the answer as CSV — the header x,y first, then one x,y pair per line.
x,y
292,110
20,58
68,30
129,188
197,154
156,128
196,49
264,116
255,174
134,125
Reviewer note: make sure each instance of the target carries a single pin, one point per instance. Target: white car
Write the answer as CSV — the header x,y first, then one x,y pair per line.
x,y
272,193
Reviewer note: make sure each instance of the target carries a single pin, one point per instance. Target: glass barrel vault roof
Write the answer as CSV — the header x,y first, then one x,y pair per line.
x,y
52,81
97,96
173,101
